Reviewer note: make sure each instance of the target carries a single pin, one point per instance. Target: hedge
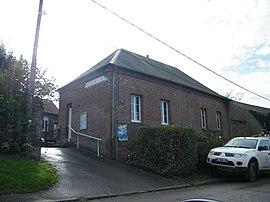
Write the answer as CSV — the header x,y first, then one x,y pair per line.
x,y
165,150
203,148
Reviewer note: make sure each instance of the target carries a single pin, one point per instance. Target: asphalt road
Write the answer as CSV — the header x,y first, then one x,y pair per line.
x,y
83,175
233,189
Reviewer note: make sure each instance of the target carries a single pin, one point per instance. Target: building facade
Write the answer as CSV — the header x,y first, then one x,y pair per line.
x,y
126,90
50,121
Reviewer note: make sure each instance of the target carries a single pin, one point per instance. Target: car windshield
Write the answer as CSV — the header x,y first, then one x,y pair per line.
x,y
242,143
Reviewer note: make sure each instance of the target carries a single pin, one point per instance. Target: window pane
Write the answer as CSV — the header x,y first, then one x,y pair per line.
x,y
135,108
45,123
218,120
203,118
83,120
164,112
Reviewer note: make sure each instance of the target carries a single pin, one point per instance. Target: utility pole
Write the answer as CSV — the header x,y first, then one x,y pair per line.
x,y
31,85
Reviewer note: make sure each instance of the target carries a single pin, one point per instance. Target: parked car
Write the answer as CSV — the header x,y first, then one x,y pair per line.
x,y
241,155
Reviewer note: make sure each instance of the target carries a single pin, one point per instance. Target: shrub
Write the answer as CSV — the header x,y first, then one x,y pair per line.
x,y
5,147
203,148
165,150
28,150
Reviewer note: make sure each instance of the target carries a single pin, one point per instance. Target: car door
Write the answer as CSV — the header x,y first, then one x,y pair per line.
x,y
268,162
264,154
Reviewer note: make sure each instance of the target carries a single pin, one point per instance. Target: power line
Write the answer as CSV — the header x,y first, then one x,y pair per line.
x,y
179,52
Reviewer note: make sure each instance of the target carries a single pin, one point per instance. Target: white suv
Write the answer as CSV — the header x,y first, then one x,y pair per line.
x,y
247,155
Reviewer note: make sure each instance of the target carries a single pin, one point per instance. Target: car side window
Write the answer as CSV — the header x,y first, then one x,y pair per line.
x,y
268,143
264,145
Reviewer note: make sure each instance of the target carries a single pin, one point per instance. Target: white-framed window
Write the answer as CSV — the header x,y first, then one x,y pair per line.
x,y
218,120
203,118
164,112
135,108
55,128
45,124
83,120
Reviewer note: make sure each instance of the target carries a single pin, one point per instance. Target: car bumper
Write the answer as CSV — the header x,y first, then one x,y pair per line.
x,y
228,166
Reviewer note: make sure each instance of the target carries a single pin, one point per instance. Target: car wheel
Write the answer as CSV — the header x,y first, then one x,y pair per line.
x,y
252,171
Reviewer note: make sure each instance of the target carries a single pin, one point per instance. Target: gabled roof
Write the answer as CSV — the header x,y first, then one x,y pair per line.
x,y
248,107
144,65
50,107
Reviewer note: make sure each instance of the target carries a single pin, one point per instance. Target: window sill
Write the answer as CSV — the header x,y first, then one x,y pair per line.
x,y
136,122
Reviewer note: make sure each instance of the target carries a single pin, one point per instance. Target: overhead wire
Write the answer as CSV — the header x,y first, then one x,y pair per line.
x,y
179,52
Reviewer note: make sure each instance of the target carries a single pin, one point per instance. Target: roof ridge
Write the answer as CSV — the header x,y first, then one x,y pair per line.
x,y
116,56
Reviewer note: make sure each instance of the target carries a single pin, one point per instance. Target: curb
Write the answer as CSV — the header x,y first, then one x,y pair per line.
x,y
102,196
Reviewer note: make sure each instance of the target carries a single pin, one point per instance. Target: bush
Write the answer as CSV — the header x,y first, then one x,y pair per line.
x,y
5,147
165,150
203,148
27,150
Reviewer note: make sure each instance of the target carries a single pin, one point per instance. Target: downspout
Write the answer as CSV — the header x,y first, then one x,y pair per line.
x,y
229,119
114,138
113,114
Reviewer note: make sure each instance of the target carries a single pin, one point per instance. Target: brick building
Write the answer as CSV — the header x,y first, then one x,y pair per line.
x,y
50,121
127,89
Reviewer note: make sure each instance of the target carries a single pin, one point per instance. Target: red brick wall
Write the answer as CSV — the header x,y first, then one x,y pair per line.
x,y
96,101
53,119
184,106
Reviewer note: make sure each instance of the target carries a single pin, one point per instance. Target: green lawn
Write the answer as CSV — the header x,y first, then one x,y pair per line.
x,y
19,175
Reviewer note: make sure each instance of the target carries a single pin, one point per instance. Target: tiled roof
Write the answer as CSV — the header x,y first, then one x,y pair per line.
x,y
50,107
141,64
248,107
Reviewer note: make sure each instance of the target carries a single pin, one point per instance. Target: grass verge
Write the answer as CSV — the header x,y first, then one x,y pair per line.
x,y
20,175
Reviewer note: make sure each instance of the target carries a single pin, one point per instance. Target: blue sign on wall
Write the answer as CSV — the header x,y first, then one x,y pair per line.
x,y
122,132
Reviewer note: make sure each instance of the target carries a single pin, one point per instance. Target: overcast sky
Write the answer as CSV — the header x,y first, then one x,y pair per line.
x,y
230,37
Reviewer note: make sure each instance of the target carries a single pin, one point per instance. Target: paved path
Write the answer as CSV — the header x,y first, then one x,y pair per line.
x,y
83,175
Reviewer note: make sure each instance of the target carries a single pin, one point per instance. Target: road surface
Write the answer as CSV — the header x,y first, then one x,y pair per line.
x,y
233,189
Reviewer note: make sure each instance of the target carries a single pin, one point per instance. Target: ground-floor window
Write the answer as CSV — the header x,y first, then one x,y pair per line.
x,y
203,118
164,111
135,108
46,124
83,120
218,120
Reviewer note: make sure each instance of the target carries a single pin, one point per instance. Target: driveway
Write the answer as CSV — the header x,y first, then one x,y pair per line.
x,y
84,175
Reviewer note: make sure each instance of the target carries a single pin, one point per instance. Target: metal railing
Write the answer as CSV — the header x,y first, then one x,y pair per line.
x,y
88,136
